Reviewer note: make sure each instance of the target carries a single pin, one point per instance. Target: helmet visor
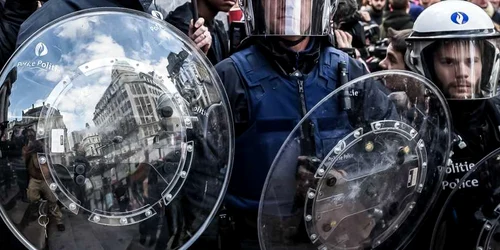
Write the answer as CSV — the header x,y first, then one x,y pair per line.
x,y
288,17
462,69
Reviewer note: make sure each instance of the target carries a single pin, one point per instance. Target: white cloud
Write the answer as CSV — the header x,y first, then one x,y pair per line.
x,y
102,46
52,75
13,116
145,52
78,28
78,104
39,102
130,25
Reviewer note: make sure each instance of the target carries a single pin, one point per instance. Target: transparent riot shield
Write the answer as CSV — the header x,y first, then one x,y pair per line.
x,y
116,134
365,179
470,217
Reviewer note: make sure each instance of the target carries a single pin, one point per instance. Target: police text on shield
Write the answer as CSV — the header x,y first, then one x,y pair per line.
x,y
459,168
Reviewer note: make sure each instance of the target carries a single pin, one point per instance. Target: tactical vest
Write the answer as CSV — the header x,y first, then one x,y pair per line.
x,y
274,110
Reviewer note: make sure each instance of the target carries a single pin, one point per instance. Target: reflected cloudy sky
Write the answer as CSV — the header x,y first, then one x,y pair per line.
x,y
81,40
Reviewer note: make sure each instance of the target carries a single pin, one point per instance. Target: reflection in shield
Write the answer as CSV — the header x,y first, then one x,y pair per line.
x,y
92,169
371,185
355,202
126,148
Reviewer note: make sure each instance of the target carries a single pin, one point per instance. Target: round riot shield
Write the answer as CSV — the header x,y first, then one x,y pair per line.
x,y
364,179
470,217
116,134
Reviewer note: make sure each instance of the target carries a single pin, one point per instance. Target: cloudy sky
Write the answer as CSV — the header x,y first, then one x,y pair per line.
x,y
86,40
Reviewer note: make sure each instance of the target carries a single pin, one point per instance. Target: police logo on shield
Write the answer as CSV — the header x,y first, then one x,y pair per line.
x,y
41,49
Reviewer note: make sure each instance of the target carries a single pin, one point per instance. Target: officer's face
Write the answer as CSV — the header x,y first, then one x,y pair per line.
x,y
393,60
287,16
377,4
458,69
222,5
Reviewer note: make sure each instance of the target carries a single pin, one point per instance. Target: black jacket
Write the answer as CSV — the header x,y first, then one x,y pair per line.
x,y
57,8
376,15
181,17
13,13
476,122
398,20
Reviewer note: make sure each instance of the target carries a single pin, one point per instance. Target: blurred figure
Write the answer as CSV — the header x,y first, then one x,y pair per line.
x,y
376,9
182,17
396,50
495,4
398,17
491,10
415,10
37,187
427,3
52,10
481,3
12,14
347,20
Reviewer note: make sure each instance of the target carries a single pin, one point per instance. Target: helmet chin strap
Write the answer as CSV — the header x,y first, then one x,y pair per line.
x,y
289,43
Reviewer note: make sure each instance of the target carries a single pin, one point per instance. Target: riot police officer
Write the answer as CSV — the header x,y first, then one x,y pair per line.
x,y
38,188
454,44
285,68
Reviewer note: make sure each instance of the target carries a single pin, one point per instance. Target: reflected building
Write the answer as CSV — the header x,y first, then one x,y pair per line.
x,y
36,118
76,137
176,63
188,77
128,109
89,140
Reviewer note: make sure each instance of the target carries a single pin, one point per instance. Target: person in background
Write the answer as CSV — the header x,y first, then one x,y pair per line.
x,y
208,9
395,57
376,10
348,32
495,4
415,10
427,3
12,14
54,9
397,17
490,9
38,188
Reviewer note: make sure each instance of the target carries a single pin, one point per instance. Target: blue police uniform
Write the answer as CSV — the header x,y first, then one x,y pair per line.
x,y
271,103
